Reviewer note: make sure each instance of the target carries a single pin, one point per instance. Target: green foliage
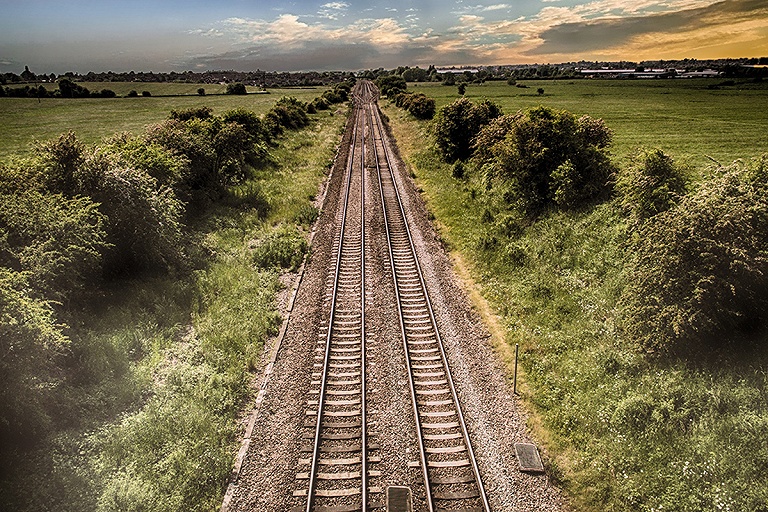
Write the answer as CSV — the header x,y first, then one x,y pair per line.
x,y
284,247
69,89
191,113
145,458
418,104
139,410
57,241
699,273
30,341
143,219
136,152
236,88
458,123
651,184
391,85
545,157
288,113
250,121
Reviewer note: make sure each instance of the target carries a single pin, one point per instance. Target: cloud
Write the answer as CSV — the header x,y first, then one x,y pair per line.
x,y
496,7
290,43
333,10
598,29
719,23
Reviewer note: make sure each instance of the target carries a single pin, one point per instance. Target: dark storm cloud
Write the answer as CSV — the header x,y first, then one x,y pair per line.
x,y
604,33
312,57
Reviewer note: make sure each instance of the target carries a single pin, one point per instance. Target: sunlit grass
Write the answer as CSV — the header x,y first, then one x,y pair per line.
x,y
686,118
25,120
624,432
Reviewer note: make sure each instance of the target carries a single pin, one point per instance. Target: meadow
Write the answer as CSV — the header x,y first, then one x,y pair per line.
x,y
25,120
687,118
147,417
622,430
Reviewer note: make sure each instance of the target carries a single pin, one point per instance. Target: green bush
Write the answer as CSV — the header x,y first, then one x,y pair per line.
x,y
699,271
30,341
58,241
457,124
191,113
160,163
249,120
418,104
546,157
651,184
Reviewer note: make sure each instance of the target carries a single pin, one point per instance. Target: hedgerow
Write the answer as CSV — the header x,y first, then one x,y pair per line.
x,y
699,270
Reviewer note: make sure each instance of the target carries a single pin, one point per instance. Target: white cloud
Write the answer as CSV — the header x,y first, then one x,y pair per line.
x,y
496,7
288,31
335,5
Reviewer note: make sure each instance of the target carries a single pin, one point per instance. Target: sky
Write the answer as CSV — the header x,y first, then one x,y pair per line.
x,y
178,35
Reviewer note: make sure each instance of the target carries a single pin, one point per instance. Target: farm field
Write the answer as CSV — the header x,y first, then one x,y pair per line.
x,y
25,120
685,118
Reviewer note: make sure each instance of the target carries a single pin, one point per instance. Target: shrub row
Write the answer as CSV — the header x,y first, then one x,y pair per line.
x,y
418,104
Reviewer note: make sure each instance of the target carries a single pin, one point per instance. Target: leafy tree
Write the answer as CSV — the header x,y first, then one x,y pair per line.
x,y
146,94
458,123
462,89
540,91
69,89
201,92
547,157
236,88
699,272
390,85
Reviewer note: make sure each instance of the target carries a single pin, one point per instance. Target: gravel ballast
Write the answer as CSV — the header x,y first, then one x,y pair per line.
x,y
267,477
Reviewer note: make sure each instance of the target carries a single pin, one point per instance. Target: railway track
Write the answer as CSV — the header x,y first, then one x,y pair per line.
x,y
339,471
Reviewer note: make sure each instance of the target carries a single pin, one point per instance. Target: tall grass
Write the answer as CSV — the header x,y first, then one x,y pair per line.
x,y
624,432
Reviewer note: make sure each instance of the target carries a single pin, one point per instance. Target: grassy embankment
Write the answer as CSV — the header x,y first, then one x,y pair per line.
x,y
150,422
27,119
624,431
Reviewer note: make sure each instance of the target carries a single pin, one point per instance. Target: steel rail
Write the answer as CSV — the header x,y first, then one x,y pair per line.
x,y
375,114
324,379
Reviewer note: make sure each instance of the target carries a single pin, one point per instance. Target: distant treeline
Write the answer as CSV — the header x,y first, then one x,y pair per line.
x,y
255,78
730,68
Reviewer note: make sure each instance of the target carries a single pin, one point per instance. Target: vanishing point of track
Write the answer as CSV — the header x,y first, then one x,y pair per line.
x,y
339,471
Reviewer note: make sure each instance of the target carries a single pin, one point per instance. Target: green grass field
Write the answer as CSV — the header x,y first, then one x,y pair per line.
x,y
25,120
622,432
685,118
